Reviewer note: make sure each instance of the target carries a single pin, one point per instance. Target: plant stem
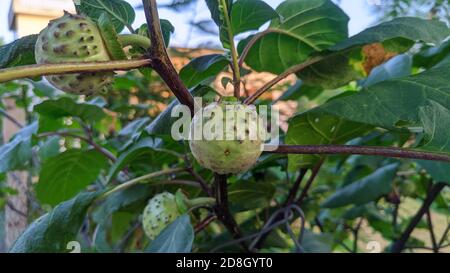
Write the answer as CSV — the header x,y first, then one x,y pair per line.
x,y
134,40
11,118
310,181
360,150
30,71
444,236
250,44
431,230
293,191
140,179
222,208
234,55
285,74
99,148
160,59
399,245
203,224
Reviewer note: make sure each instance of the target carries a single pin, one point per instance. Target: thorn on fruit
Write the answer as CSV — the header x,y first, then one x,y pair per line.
x,y
70,33
61,25
56,34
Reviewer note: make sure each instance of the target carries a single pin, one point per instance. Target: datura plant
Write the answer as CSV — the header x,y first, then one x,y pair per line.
x,y
361,158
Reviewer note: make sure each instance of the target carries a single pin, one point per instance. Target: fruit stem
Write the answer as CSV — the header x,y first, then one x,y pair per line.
x,y
234,55
134,40
140,179
30,71
198,202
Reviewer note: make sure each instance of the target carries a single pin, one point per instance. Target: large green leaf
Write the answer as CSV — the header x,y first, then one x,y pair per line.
x,y
409,28
17,152
163,123
396,36
53,231
305,27
203,68
122,200
395,104
365,190
19,52
314,128
435,120
249,15
68,173
255,194
66,107
146,148
121,13
175,238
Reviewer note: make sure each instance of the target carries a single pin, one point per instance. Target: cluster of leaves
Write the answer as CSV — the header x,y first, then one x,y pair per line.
x,y
396,95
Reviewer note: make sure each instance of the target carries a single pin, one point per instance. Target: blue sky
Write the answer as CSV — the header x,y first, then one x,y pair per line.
x,y
358,10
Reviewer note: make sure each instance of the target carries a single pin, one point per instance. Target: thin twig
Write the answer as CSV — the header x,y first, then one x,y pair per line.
x,y
360,150
292,70
293,191
310,181
201,181
444,236
140,179
30,71
399,245
431,230
204,223
250,44
11,118
97,147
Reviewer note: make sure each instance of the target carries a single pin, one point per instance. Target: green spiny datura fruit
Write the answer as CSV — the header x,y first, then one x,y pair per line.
x,y
236,139
73,38
160,211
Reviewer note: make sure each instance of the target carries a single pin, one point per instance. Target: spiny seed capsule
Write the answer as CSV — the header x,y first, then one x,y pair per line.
x,y
236,150
160,211
60,42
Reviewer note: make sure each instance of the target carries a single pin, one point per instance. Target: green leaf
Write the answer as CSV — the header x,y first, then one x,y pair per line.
x,y
315,128
135,196
432,56
66,107
396,36
203,68
255,194
249,15
53,231
162,124
167,29
65,175
365,190
19,52
121,13
439,171
109,35
16,153
217,9
317,243
409,28
399,66
305,27
435,120
175,238
146,148
395,104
